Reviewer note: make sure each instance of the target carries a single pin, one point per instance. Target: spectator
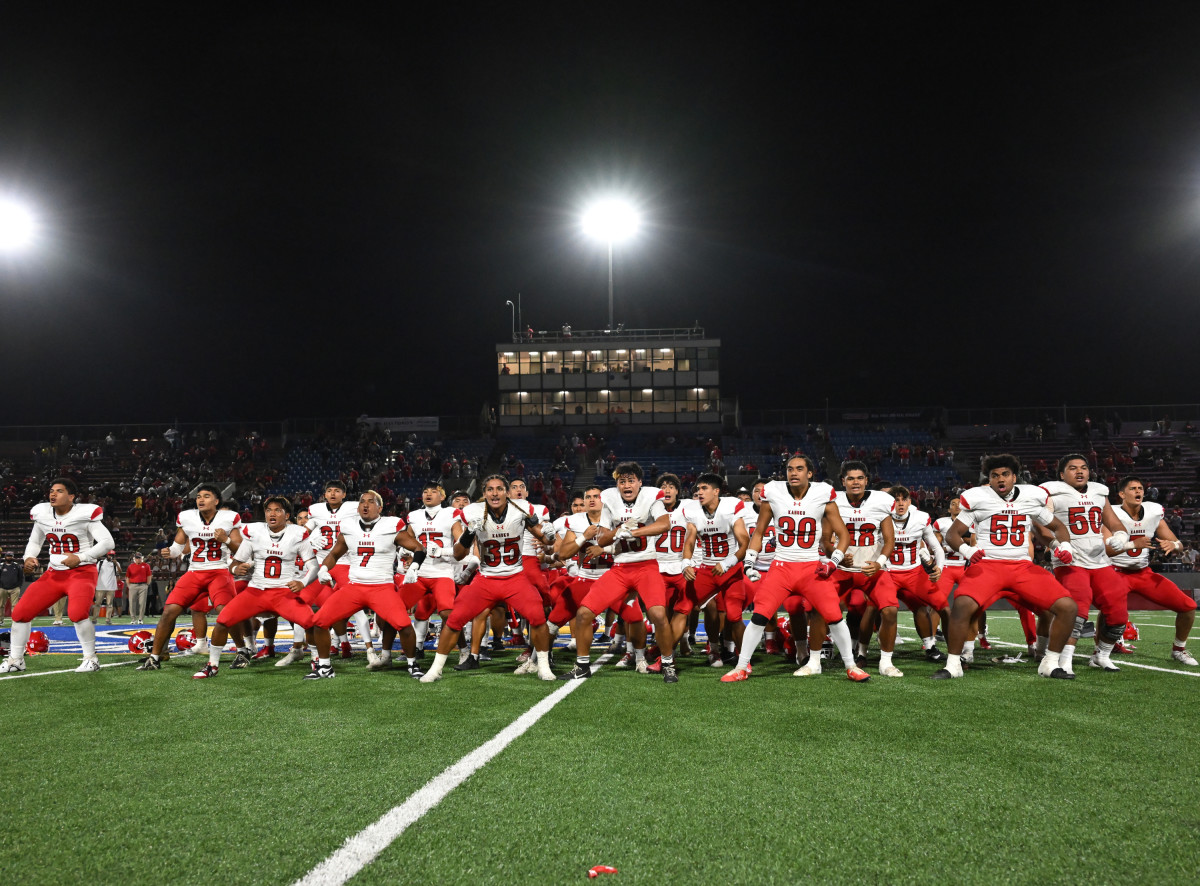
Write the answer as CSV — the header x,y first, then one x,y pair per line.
x,y
12,574
106,586
137,583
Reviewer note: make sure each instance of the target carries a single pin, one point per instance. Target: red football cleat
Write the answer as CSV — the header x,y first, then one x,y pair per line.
x,y
983,643
737,675
773,647
347,652
858,675
267,651
655,667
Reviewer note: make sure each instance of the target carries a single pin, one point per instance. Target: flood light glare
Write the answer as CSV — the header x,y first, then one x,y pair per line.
x,y
17,226
611,221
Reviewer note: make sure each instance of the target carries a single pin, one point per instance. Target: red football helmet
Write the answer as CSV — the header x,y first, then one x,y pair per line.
x,y
1131,632
141,642
185,639
38,643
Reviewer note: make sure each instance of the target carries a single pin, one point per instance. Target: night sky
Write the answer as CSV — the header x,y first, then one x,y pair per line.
x,y
893,205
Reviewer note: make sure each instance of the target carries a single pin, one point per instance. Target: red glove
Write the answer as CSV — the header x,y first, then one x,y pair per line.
x,y
1063,554
976,557
825,569
600,869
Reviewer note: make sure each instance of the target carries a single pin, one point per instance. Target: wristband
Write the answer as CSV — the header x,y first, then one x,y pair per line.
x,y
689,564
1119,541
966,551
751,557
882,561
467,539
1178,546
175,551
837,557
729,562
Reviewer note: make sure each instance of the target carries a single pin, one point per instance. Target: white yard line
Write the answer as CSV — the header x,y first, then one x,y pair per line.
x,y
361,849
114,664
1120,662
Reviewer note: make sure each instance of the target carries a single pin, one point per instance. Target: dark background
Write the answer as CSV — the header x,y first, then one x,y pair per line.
x,y
918,204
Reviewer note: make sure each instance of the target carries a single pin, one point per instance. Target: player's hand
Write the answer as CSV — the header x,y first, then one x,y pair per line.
x,y
689,570
592,531
1063,553
323,575
751,557
220,535
70,561
975,557
935,574
434,551
573,569
623,534
825,568
751,573
410,574
295,587
718,570
870,567
1140,542
1167,547
31,565
475,525
242,569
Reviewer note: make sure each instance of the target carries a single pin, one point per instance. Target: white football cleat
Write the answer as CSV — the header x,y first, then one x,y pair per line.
x,y
891,671
373,659
382,660
1103,662
88,665
529,666
641,667
294,655
571,645
11,666
967,657
430,677
812,669
1183,657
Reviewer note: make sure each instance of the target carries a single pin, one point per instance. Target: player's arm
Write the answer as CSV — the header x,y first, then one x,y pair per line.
x,y
689,548
956,538
832,523
233,540
1061,544
568,545
933,543
102,543
464,544
760,531
405,539
887,529
339,549
1167,542
37,537
742,537
241,559
177,547
310,572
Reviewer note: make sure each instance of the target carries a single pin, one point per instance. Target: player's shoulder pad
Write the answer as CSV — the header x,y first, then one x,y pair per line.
x,y
739,507
97,513
1097,488
41,509
660,495
1056,487
237,519
1153,507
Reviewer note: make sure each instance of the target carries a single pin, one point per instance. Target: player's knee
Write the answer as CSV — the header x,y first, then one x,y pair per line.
x,y
759,619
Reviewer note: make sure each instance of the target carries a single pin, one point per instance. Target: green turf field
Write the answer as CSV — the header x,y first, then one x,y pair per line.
x,y
1002,777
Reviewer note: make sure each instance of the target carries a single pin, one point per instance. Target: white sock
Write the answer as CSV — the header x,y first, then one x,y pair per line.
x,y
324,662
639,655
86,631
362,624
954,664
885,659
341,638
1042,644
730,646
841,639
1179,644
767,635
422,630
750,639
968,650
553,629
214,653
19,637
439,662
1066,659
466,632
928,642
1052,660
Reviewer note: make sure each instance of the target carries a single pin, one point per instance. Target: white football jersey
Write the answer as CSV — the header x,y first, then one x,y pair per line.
x,y
797,521
1003,526
942,525
865,521
324,525
372,549
642,511
75,532
597,566
1146,525
499,543
913,530
1083,515
668,547
435,526
205,553
714,532
767,555
530,546
275,555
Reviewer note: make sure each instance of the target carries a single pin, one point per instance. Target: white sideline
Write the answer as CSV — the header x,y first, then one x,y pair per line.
x,y
112,664
361,849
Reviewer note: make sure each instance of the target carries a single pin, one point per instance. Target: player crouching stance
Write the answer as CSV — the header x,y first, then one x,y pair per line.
x,y
372,541
498,525
1002,513
77,540
274,547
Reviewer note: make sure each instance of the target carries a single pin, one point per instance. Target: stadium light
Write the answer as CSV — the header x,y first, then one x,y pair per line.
x,y
18,227
610,221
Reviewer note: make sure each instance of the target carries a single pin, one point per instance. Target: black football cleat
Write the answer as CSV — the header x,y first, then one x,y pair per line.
x,y
322,672
240,661
414,671
579,672
470,663
670,674
149,663
934,654
1060,674
941,674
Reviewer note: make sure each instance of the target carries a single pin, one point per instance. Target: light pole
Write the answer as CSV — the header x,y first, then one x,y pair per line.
x,y
610,221
509,302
